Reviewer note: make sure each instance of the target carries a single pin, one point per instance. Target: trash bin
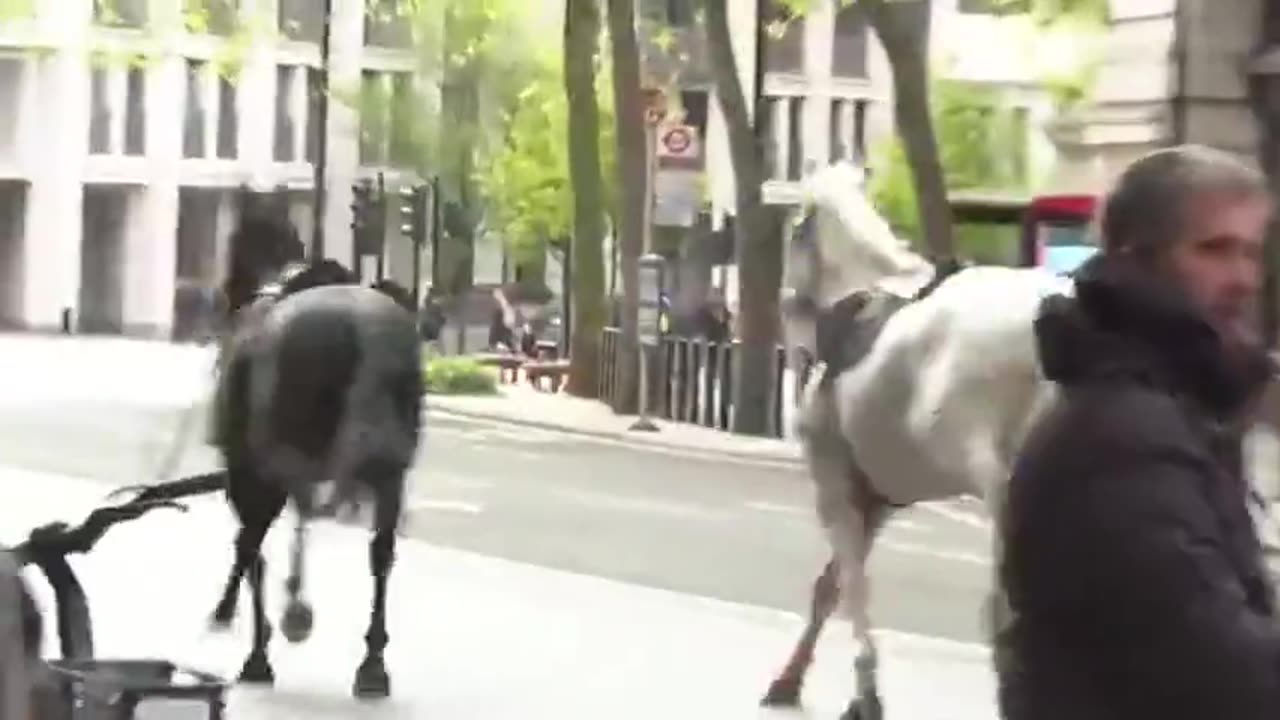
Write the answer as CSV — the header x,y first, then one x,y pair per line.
x,y
128,690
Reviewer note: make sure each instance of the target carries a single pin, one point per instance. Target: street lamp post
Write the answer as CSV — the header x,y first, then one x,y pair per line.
x,y
322,138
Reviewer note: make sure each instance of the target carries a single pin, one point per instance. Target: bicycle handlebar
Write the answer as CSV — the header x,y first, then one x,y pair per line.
x,y
48,546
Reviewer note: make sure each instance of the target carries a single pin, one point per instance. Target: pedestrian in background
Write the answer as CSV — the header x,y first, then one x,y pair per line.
x,y
1134,577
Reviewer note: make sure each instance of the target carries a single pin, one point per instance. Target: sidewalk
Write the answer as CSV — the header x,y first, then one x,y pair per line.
x,y
472,637
523,405
43,368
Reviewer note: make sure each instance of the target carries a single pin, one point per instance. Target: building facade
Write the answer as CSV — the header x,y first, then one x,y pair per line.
x,y
132,131
1172,71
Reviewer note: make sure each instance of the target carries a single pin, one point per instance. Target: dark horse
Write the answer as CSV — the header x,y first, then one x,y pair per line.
x,y
320,389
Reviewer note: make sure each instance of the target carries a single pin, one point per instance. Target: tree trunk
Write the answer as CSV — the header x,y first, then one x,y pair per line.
x,y
903,28
632,175
1264,96
585,256
758,229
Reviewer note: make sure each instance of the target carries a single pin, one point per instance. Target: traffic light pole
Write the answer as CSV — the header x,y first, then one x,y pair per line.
x,y
322,139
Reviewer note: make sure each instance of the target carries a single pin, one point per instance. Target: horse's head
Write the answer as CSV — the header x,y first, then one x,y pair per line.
x,y
842,246
261,247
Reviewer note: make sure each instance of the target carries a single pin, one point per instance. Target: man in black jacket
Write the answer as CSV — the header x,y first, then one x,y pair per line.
x,y
1133,572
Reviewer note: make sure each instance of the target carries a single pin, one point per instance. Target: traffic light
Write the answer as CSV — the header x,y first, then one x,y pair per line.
x,y
413,214
361,207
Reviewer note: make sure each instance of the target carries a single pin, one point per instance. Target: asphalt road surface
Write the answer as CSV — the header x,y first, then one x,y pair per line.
x,y
723,529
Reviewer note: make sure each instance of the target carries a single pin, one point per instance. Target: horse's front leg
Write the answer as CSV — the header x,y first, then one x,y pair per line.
x,y
372,680
786,688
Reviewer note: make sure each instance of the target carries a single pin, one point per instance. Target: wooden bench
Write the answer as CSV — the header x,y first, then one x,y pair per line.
x,y
508,365
553,371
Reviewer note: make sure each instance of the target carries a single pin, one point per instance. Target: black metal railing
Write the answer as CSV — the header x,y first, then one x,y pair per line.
x,y
693,380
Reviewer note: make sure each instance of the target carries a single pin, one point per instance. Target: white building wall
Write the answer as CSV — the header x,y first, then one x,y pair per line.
x,y
50,150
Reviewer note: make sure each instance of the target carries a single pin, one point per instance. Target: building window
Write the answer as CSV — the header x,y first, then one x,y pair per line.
x,y
784,45
849,44
135,112
193,126
286,124
373,118
400,150
858,130
120,13
994,7
313,115
387,23
679,12
301,20
795,138
837,149
12,82
212,17
228,119
100,112
768,130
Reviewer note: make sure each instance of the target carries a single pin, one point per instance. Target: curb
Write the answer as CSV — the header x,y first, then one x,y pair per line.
x,y
622,438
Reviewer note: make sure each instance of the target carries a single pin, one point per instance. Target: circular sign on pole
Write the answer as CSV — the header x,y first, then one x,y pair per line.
x,y
676,140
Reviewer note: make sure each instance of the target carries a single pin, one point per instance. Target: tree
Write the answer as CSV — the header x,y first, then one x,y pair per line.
x,y
758,229
632,178
586,258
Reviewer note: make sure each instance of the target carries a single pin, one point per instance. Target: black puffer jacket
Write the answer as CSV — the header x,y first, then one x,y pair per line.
x,y
1131,564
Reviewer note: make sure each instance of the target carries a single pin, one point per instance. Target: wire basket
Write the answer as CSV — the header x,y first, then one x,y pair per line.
x,y
128,690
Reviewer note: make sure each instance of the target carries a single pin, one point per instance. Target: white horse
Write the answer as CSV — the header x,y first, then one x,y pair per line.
x,y
936,391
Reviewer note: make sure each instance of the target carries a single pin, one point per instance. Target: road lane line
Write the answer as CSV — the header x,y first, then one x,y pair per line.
x,y
636,504
432,504
973,520
933,552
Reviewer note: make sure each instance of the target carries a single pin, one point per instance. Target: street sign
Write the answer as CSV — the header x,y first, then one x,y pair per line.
x,y
677,195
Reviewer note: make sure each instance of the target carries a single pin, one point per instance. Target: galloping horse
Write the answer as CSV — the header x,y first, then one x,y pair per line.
x,y
321,389
931,383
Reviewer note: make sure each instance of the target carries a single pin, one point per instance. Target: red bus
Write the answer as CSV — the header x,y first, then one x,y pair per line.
x,y
1047,230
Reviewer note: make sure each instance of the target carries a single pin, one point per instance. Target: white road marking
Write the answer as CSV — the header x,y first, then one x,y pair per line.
x,y
635,504
428,504
973,520
937,553
778,508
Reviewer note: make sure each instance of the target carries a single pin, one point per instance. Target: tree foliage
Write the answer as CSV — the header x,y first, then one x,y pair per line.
x,y
983,147
526,181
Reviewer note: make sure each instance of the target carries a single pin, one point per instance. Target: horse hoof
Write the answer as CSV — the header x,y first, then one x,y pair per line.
x,y
372,682
783,692
868,708
222,617
257,671
297,621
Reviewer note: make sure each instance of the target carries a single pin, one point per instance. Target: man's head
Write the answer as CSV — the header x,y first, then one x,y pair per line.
x,y
1198,217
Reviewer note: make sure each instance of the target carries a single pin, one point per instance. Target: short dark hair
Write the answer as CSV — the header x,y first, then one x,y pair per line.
x,y
1143,212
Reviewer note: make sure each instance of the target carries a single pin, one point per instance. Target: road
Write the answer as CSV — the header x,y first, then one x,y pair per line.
x,y
723,529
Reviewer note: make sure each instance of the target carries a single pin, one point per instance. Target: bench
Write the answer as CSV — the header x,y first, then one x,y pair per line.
x,y
508,365
553,371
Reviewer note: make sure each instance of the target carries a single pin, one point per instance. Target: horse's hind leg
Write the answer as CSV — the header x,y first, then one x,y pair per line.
x,y
785,689
257,668
372,681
